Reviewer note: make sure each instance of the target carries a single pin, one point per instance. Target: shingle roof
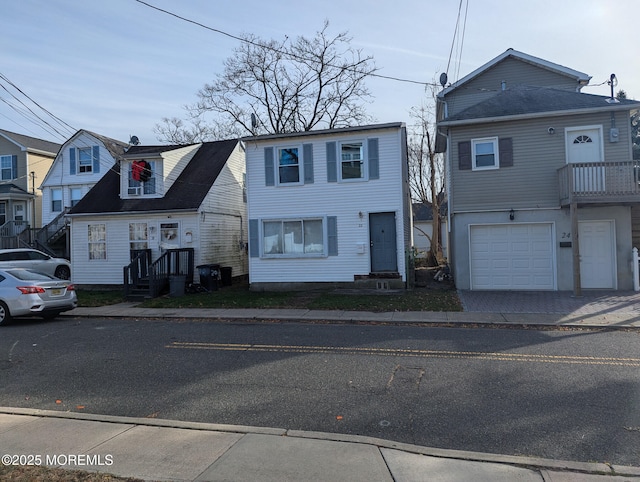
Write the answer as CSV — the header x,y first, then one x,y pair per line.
x,y
32,142
116,148
186,193
522,100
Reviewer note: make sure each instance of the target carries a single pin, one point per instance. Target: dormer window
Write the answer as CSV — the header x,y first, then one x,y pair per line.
x,y
142,178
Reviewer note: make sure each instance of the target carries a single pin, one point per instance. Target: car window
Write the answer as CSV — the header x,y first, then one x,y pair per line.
x,y
35,255
18,256
5,257
28,275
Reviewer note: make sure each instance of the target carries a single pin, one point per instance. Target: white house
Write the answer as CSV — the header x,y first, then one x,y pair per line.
x,y
162,198
329,207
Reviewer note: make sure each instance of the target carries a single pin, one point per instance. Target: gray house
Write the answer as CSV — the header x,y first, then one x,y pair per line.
x,y
543,192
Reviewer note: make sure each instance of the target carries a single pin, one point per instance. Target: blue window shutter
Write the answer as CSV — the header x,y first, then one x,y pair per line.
x,y
307,153
332,163
96,159
254,238
72,161
332,235
14,166
269,170
374,158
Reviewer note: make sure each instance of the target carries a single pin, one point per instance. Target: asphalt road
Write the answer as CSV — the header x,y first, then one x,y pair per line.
x,y
571,395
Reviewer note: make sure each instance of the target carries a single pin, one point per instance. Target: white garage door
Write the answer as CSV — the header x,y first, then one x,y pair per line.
x,y
512,257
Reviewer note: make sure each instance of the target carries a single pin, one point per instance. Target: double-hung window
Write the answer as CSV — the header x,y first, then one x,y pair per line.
x,y
8,167
97,236
352,161
294,237
485,153
85,160
56,200
288,165
142,178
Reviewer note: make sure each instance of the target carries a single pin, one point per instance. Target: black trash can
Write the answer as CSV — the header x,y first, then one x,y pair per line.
x,y
226,275
209,275
177,285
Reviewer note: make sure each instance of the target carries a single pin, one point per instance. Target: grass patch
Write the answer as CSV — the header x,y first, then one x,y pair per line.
x,y
20,473
90,298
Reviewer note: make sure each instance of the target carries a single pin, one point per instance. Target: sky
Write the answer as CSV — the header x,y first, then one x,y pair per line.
x,y
118,67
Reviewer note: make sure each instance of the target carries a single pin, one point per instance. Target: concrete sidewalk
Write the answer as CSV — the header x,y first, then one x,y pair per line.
x,y
153,449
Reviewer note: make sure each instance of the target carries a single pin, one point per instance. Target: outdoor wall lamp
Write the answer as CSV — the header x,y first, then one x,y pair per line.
x,y
551,130
512,215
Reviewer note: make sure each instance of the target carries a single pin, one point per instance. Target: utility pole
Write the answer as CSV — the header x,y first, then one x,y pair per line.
x,y
32,175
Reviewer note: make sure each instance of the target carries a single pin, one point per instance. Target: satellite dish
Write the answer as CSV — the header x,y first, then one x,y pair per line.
x,y
134,141
443,79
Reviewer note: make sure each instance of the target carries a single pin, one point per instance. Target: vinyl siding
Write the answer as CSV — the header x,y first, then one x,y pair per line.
x,y
350,202
532,181
513,72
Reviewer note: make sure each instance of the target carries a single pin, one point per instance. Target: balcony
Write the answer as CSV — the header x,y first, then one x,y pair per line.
x,y
599,182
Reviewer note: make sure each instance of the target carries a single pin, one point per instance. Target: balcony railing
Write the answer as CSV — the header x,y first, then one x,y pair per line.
x,y
599,182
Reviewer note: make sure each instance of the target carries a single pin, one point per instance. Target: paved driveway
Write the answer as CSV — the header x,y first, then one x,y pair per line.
x,y
591,302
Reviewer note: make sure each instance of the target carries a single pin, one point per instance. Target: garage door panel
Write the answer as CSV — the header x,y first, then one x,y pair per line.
x,y
512,257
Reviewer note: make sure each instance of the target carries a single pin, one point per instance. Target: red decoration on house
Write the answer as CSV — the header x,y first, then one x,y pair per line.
x,y
140,171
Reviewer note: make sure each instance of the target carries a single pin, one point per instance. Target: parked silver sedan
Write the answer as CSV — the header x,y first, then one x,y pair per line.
x,y
35,260
29,293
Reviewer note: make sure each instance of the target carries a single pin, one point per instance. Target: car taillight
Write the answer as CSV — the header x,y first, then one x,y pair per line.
x,y
30,290
71,288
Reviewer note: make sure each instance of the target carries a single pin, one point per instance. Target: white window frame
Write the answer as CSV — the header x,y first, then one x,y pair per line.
x,y
97,242
138,236
56,197
300,165
143,187
294,254
474,154
364,165
84,166
73,200
3,168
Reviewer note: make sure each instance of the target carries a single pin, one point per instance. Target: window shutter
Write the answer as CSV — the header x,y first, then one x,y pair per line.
x,y
332,235
505,147
14,166
332,163
464,155
307,153
254,238
374,158
72,161
96,159
269,171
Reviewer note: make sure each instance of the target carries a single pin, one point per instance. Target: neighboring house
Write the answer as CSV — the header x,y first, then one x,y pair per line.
x,y
80,163
423,229
24,161
543,193
160,199
329,208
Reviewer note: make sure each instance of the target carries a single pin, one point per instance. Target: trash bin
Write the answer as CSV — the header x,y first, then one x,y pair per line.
x,y
225,275
209,274
176,285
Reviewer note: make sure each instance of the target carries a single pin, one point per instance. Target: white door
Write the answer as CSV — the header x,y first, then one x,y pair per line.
x,y
597,254
512,257
584,146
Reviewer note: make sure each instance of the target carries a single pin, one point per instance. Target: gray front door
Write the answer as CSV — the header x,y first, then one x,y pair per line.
x,y
382,236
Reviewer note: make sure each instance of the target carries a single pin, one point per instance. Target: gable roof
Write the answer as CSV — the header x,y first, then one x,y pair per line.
x,y
529,101
116,148
580,77
187,192
28,143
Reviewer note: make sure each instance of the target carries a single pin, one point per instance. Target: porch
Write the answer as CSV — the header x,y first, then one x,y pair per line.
x,y
144,278
599,182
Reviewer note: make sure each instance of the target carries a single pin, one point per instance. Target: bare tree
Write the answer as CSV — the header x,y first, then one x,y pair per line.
x,y
426,172
274,87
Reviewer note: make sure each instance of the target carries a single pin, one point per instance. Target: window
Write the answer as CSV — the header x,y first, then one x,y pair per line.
x,y
303,237
85,160
138,236
352,160
8,166
169,235
485,153
76,195
288,165
577,140
97,237
56,200
142,178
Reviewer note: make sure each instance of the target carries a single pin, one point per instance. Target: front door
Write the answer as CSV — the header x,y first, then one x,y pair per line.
x,y
382,237
597,255
584,147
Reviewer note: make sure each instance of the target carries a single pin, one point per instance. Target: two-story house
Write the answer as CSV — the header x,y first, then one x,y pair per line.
x,y
158,200
79,164
543,193
24,161
329,208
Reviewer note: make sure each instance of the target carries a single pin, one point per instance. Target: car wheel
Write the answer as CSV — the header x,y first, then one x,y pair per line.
x,y
63,272
5,316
